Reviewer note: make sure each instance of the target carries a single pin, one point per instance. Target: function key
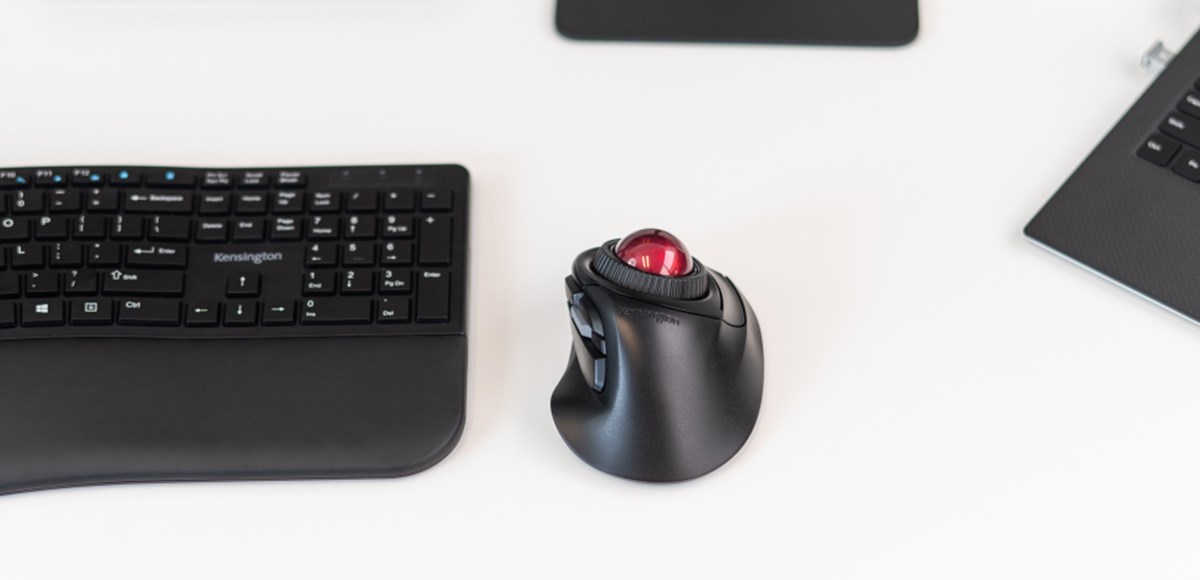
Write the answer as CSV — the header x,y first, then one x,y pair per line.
x,y
10,179
86,178
126,177
171,178
1158,150
253,180
437,200
291,179
49,178
217,180
1188,166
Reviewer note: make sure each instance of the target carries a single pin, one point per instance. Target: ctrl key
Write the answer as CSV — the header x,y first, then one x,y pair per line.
x,y
146,312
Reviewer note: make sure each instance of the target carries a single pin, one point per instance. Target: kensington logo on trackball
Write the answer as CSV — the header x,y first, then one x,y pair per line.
x,y
256,258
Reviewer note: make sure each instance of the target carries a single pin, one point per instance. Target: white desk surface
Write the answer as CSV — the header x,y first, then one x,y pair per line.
x,y
943,399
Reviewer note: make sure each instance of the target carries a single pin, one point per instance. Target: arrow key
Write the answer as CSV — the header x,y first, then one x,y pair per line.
x,y
243,284
241,313
202,314
279,314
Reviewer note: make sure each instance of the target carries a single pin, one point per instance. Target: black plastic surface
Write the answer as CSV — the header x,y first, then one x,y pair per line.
x,y
833,22
682,382
81,406
1127,218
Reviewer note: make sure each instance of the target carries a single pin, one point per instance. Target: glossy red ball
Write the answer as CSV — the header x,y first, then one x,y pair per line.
x,y
655,252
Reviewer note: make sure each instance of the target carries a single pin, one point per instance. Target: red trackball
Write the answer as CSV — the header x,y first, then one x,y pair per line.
x,y
655,252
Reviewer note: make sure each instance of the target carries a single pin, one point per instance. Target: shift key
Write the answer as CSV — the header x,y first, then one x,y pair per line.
x,y
143,283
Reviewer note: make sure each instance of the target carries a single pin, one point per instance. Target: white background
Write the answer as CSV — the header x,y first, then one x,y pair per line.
x,y
943,399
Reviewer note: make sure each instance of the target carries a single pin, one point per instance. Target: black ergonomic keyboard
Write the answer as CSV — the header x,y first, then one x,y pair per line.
x,y
1131,212
314,321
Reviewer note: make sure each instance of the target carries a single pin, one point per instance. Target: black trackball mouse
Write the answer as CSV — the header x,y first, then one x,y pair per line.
x,y
665,379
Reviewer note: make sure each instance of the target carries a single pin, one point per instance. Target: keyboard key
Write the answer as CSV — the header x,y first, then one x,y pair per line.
x,y
171,178
65,201
254,180
1159,150
14,229
90,227
66,255
251,204
41,284
399,201
170,229
49,178
358,255
104,254
91,312
241,313
357,282
249,230
148,312
433,296
151,202
392,281
1183,128
101,200
86,178
8,315
396,254
289,179
396,227
437,201
128,227
434,244
52,228
321,256
279,314
243,284
1188,165
394,310
144,255
215,204
80,283
325,202
323,283
126,177
12,179
25,201
28,256
144,283
286,229
336,311
288,202
1191,105
216,180
360,227
322,228
42,313
10,285
362,201
202,314
212,231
